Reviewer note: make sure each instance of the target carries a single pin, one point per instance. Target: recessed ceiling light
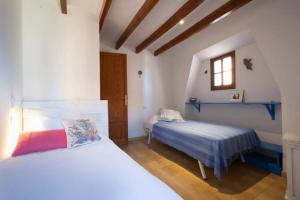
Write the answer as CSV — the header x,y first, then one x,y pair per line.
x,y
181,22
222,17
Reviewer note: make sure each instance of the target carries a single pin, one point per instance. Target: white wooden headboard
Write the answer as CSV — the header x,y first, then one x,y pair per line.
x,y
46,115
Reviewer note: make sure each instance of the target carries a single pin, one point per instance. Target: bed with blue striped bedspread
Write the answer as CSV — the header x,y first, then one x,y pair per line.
x,y
214,145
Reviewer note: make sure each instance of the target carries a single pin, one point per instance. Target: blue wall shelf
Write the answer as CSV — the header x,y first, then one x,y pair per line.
x,y
270,106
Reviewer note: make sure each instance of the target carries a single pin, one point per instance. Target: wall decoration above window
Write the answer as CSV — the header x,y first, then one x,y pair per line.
x,y
248,63
223,72
140,73
237,96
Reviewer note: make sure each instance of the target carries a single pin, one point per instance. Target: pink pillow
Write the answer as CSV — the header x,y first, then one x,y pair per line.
x,y
40,141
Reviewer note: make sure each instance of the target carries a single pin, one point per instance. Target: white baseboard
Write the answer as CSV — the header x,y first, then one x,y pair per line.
x,y
137,138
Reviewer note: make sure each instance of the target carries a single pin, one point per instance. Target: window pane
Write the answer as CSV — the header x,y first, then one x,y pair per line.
x,y
227,78
217,66
227,65
218,79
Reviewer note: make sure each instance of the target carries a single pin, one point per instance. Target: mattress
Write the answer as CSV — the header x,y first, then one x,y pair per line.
x,y
95,171
214,145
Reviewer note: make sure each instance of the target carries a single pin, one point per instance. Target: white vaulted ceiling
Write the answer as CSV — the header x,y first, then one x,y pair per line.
x,y
121,13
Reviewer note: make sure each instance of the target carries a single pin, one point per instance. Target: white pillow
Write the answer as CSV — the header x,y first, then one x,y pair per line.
x,y
170,115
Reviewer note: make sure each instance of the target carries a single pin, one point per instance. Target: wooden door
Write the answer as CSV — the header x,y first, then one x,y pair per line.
x,y
113,87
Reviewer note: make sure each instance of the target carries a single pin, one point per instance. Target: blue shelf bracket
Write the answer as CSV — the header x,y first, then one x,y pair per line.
x,y
197,106
271,107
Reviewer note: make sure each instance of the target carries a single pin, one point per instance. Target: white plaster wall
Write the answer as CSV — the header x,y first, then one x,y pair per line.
x,y
10,66
259,86
148,93
275,25
157,84
279,43
61,52
191,85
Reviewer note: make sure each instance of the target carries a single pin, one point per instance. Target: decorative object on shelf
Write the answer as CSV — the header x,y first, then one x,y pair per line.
x,y
237,96
140,72
205,72
248,63
193,100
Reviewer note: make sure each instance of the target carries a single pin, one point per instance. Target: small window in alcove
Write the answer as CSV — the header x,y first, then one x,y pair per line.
x,y
223,72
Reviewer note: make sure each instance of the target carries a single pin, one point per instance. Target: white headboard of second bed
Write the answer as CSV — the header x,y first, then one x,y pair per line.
x,y
47,115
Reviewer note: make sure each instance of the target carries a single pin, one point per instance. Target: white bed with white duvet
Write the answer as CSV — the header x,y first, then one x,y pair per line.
x,y
94,171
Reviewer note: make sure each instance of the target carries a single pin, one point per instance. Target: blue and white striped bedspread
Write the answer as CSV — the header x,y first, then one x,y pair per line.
x,y
214,145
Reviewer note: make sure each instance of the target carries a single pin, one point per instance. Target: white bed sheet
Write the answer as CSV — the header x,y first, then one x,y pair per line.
x,y
95,171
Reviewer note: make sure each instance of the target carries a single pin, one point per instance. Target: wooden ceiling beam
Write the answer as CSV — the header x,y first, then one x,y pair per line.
x,y
182,12
138,18
216,15
105,9
63,6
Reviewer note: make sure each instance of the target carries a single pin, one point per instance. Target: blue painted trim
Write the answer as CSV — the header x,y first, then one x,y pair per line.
x,y
270,106
271,109
267,156
271,147
264,162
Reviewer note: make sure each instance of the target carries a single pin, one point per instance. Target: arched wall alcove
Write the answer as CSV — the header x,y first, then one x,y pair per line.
x,y
258,85
275,27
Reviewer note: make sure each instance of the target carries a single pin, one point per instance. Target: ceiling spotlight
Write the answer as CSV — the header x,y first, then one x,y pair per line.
x,y
222,17
181,22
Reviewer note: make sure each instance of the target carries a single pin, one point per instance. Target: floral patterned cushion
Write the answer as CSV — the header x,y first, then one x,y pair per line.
x,y
80,132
